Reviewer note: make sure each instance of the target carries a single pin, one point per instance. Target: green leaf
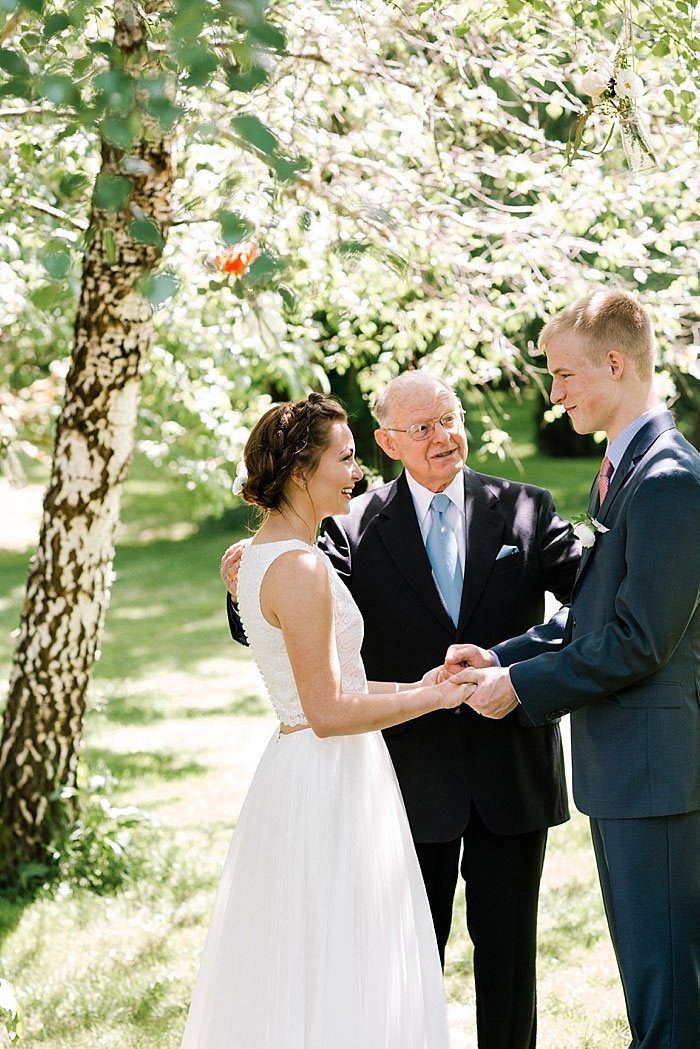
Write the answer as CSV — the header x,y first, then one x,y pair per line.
x,y
118,132
18,87
287,169
59,89
13,63
111,192
288,297
57,263
115,91
165,112
101,47
56,23
109,246
255,133
353,247
72,185
157,287
246,81
81,65
146,232
233,227
47,295
262,268
199,63
268,35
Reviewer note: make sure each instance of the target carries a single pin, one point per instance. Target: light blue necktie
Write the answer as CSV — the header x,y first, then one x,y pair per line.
x,y
443,554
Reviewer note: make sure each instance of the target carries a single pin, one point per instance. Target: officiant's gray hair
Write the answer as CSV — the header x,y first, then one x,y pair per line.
x,y
403,384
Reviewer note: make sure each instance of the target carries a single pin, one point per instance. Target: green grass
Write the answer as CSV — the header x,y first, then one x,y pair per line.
x,y
177,718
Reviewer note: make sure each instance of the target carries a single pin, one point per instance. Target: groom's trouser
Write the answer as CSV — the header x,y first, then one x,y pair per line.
x,y
502,878
649,873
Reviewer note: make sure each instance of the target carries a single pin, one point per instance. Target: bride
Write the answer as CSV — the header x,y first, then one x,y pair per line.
x,y
321,936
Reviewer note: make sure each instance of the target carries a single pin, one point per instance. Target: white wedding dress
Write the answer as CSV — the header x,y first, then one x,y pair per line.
x,y
321,936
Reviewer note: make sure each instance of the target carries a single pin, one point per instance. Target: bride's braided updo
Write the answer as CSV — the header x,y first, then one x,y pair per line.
x,y
288,439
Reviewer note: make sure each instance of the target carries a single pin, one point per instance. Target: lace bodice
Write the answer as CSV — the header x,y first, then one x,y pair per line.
x,y
266,641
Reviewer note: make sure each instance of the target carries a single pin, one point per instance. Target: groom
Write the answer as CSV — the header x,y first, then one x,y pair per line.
x,y
629,671
480,795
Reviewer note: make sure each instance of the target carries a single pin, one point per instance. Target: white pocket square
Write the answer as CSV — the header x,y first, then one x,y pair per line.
x,y
506,551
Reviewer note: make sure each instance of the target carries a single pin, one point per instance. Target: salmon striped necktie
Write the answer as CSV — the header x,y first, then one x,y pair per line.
x,y
604,476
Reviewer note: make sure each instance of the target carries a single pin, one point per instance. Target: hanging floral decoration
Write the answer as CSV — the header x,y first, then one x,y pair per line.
x,y
615,89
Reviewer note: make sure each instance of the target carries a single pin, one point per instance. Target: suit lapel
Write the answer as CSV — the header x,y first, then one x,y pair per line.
x,y
400,533
637,449
484,526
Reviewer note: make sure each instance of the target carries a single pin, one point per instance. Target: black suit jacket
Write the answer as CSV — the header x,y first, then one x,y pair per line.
x,y
513,772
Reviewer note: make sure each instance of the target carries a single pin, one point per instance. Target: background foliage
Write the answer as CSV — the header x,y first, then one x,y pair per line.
x,y
401,169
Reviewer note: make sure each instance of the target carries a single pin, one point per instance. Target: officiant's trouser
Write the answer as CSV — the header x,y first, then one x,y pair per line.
x,y
649,873
502,875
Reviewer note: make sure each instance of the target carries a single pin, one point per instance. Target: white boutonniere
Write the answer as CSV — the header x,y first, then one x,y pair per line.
x,y
586,530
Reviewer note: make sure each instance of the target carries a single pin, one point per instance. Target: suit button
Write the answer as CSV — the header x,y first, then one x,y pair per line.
x,y
458,710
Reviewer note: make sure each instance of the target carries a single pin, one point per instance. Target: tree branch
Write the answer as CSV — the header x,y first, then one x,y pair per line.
x,y
23,111
10,26
56,213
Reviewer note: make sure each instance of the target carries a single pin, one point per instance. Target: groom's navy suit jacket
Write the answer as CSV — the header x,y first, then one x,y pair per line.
x,y
629,670
512,772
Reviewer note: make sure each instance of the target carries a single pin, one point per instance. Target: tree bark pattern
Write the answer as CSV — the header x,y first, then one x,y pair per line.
x,y
70,575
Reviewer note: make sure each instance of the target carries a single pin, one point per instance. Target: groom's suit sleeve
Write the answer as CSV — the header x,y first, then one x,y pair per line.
x,y
632,610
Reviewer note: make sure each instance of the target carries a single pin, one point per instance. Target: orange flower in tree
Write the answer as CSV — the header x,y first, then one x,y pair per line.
x,y
235,260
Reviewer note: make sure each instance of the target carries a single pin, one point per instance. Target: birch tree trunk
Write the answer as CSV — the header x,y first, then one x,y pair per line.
x,y
70,575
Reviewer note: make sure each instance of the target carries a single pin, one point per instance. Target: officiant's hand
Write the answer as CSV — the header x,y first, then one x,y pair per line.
x,y
494,696
230,564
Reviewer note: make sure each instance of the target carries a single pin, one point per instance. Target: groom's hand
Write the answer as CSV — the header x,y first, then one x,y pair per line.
x,y
494,696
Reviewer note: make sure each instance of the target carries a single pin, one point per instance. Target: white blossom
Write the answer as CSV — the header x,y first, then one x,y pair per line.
x,y
628,84
593,83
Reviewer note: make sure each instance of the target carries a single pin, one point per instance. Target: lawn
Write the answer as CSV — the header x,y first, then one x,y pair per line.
x,y
176,723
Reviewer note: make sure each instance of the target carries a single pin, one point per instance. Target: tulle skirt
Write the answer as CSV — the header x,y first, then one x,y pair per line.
x,y
321,935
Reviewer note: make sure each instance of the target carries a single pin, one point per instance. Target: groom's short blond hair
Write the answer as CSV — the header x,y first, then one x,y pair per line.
x,y
604,321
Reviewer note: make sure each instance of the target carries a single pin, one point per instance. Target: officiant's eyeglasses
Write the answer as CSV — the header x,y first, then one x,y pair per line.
x,y
450,421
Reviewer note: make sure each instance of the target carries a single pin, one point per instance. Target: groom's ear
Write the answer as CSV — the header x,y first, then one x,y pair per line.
x,y
386,443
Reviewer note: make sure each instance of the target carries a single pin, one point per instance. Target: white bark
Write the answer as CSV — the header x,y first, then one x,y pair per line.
x,y
70,575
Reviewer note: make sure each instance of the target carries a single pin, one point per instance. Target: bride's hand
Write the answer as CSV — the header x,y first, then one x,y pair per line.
x,y
453,693
432,677
230,563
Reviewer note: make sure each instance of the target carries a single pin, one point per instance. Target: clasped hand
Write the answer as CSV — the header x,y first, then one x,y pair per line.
x,y
493,696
